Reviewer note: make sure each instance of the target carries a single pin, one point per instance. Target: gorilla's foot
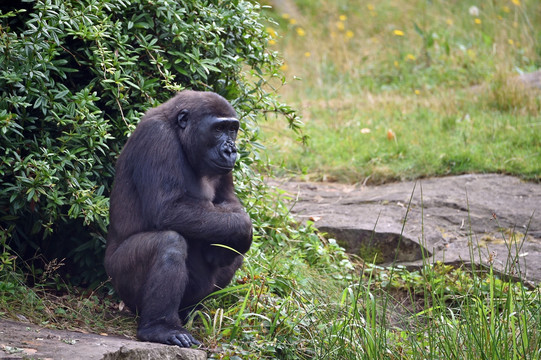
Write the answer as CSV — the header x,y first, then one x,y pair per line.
x,y
166,334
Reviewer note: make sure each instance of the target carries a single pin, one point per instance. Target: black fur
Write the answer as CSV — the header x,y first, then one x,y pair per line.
x,y
172,200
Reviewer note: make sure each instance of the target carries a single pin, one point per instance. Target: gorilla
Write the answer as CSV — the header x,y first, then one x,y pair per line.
x,y
177,230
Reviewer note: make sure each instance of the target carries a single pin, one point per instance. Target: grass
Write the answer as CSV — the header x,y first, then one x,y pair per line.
x,y
437,312
52,303
398,90
309,301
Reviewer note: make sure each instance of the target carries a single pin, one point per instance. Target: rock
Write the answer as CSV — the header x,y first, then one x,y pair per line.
x,y
162,352
531,80
27,341
481,218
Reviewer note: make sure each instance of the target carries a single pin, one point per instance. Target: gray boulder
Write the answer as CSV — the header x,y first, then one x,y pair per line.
x,y
487,219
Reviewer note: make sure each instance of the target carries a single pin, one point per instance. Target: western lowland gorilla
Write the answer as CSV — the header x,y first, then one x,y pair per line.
x,y
177,229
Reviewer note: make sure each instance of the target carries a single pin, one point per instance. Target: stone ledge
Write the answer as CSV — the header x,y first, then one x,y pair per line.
x,y
28,341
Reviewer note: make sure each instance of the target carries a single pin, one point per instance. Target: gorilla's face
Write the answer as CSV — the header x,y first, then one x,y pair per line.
x,y
207,131
218,135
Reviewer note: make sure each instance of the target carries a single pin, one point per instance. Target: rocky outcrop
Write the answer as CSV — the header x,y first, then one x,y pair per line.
x,y
27,341
487,219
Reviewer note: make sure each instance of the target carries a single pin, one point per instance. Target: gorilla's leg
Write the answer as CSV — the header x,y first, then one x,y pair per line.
x,y
150,275
204,280
226,273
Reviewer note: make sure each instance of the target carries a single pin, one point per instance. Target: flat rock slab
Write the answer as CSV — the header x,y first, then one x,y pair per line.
x,y
487,219
27,341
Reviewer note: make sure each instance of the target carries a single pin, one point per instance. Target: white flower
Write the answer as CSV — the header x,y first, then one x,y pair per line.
x,y
474,11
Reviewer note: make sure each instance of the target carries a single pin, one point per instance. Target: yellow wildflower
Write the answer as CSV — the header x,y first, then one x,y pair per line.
x,y
272,42
477,21
271,31
398,32
516,2
284,67
292,21
370,7
307,54
395,63
410,57
343,17
506,9
511,42
300,31
349,34
449,21
417,92
340,25
285,16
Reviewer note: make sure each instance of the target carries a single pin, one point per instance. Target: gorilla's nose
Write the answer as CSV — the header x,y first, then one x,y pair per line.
x,y
229,148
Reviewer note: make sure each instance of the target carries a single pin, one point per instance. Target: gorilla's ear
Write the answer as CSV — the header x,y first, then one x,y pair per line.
x,y
182,118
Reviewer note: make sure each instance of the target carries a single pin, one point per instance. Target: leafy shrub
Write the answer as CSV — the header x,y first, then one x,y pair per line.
x,y
76,76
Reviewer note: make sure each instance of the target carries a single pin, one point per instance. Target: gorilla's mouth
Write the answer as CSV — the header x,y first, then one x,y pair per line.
x,y
226,164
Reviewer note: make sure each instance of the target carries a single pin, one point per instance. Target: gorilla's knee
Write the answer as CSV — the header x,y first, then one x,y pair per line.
x,y
172,249
171,240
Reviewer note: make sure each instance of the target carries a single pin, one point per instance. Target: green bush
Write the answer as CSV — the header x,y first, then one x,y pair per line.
x,y
75,78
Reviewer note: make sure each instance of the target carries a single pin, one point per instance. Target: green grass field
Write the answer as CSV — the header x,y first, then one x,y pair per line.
x,y
395,90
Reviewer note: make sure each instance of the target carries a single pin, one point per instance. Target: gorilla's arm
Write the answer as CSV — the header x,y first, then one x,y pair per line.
x,y
210,224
